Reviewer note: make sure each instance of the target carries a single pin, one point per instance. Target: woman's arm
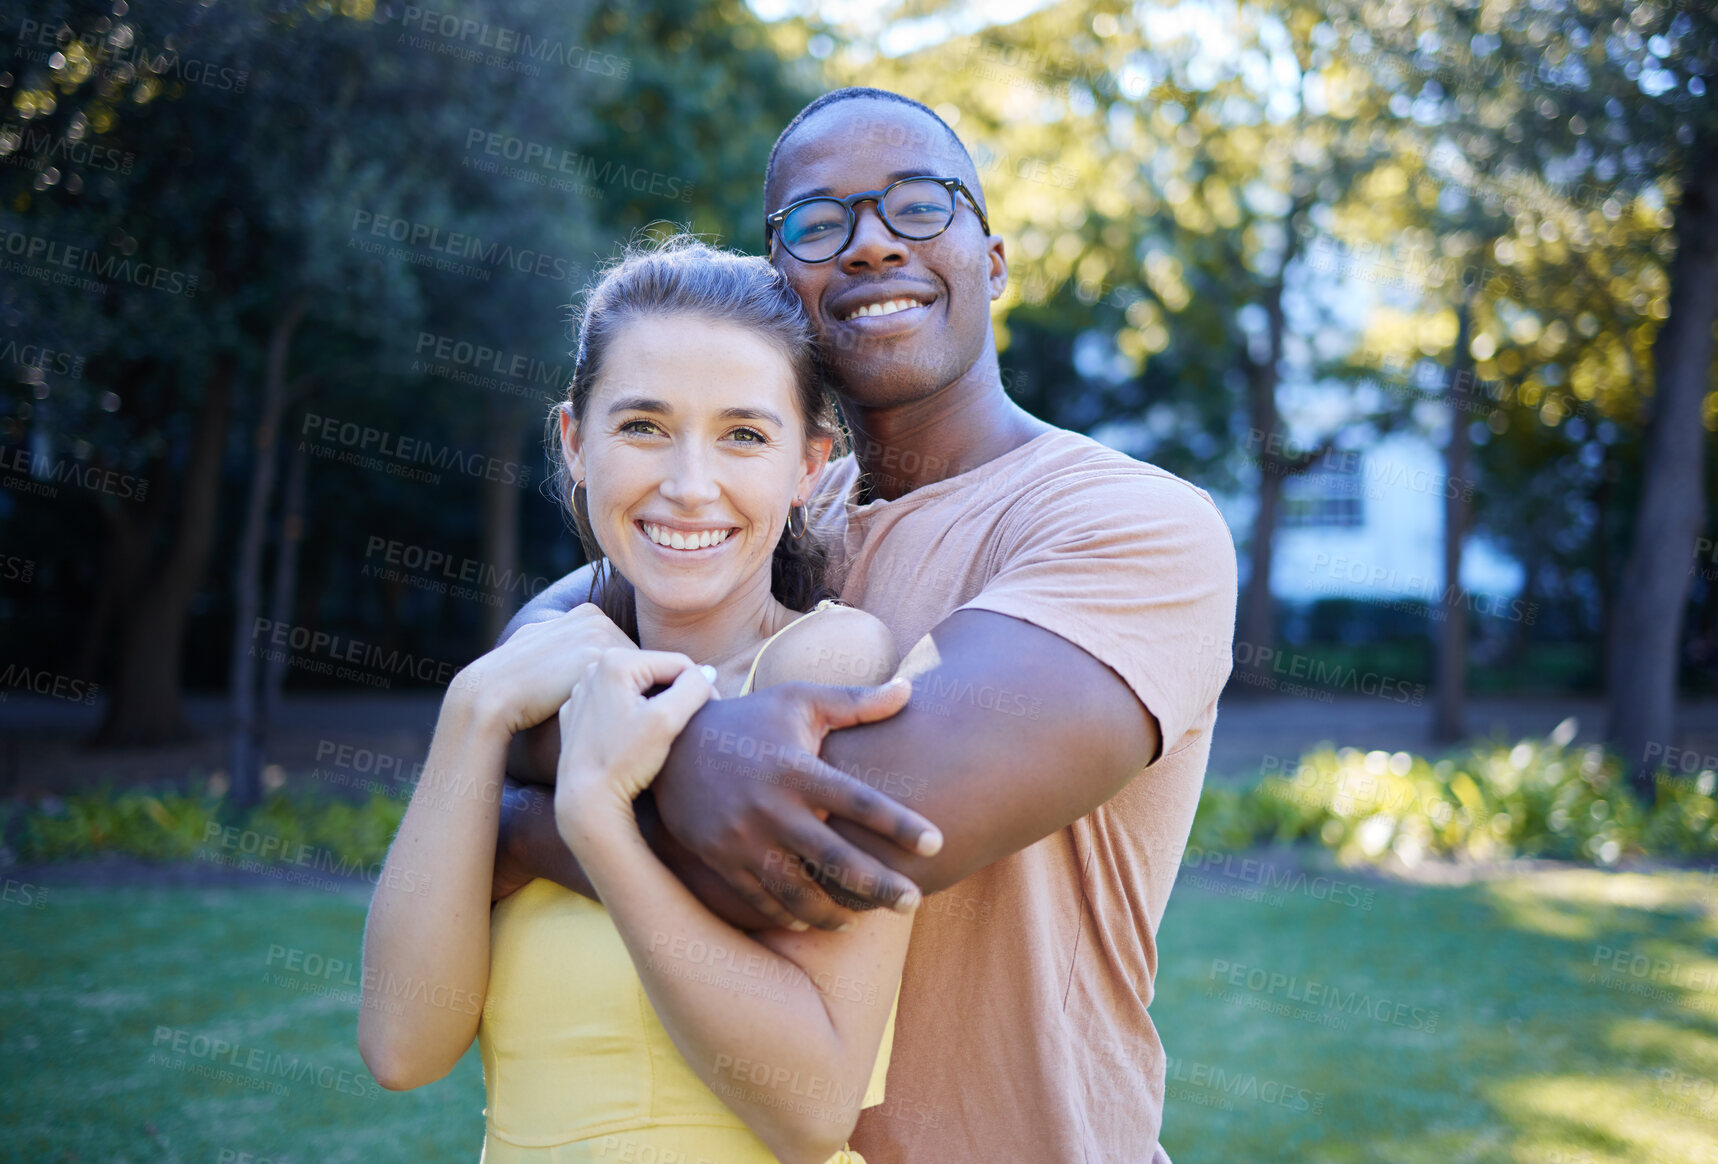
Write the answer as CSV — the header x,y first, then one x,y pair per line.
x,y
426,941
786,1039
426,953
784,1027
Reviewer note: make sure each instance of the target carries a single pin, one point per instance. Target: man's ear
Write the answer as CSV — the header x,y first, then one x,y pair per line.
x,y
998,267
572,448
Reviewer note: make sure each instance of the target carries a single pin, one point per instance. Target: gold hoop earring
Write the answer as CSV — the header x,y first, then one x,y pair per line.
x,y
799,509
580,510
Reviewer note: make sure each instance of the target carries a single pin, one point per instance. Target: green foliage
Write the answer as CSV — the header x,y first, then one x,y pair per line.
x,y
162,826
1493,801
168,826
359,832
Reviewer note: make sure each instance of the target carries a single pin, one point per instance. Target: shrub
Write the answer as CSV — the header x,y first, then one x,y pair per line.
x,y
165,826
1536,798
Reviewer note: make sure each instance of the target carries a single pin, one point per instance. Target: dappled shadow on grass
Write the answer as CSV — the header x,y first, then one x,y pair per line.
x,y
1555,1016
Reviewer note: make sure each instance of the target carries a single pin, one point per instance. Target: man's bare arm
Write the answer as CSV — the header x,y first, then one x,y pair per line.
x,y
1012,733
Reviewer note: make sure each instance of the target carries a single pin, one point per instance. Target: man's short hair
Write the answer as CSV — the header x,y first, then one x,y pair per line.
x,y
862,92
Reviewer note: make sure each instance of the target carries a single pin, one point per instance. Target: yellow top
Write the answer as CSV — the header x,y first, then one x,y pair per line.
x,y
578,1068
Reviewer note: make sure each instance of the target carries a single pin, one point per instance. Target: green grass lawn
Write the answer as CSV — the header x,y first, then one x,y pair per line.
x,y
1563,1017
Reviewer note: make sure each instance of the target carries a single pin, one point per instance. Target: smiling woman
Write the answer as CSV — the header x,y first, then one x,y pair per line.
x,y
695,430
696,393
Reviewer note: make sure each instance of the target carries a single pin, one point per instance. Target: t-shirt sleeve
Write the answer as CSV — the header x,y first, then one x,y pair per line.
x,y
1137,569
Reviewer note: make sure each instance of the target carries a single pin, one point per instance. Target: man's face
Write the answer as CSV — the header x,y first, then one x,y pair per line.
x,y
908,354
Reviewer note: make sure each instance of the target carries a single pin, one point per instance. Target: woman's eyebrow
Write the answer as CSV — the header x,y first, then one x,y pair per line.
x,y
750,414
661,408
638,404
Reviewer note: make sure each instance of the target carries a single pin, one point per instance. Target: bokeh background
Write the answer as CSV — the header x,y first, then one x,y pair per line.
x,y
1424,294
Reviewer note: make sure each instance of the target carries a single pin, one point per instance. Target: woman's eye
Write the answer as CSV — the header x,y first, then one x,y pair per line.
x,y
638,426
750,436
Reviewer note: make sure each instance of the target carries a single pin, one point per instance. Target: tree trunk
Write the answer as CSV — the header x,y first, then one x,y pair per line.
x,y
1258,609
1653,592
1257,616
247,578
284,599
500,521
147,706
1603,572
130,533
1447,725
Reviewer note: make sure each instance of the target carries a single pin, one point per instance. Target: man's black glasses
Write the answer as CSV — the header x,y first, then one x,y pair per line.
x,y
815,230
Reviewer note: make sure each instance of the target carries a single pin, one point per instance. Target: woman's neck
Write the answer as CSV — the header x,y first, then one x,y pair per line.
x,y
725,636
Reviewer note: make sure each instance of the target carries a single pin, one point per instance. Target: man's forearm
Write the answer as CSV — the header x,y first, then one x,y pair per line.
x,y
531,843
533,754
995,774
534,844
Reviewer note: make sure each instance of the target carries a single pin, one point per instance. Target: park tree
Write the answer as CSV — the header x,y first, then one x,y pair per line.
x,y
1581,131
276,191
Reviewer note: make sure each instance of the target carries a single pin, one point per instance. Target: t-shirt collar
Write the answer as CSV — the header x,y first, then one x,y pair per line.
x,y
959,481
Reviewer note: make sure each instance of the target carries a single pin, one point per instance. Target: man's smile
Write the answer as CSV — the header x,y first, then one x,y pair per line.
x,y
887,307
885,310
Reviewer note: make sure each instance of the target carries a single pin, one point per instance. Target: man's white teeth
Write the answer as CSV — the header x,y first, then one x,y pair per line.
x,y
886,308
674,539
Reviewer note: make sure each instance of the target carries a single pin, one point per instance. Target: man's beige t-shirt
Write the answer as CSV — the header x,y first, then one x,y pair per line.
x,y
1022,1031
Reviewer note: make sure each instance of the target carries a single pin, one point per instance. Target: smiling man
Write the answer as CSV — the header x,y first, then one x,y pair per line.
x,y
1065,613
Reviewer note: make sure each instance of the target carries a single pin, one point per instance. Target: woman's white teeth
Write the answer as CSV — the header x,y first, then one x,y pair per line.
x,y
887,308
674,539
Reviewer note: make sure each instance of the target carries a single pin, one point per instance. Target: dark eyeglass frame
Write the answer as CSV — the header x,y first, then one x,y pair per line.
x,y
772,222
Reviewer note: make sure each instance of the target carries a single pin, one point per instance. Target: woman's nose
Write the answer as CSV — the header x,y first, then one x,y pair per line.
x,y
691,483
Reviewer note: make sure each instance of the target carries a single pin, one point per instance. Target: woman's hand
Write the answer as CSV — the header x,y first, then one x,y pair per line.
x,y
522,682
622,736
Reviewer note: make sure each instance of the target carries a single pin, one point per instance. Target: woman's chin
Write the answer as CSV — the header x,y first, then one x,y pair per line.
x,y
685,595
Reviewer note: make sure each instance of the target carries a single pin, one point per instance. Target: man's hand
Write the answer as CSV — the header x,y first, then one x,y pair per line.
x,y
745,791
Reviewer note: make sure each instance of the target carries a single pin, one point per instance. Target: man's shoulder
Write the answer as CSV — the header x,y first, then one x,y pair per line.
x,y
1076,456
1076,474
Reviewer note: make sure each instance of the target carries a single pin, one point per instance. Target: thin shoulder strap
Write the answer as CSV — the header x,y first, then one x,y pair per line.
x,y
757,658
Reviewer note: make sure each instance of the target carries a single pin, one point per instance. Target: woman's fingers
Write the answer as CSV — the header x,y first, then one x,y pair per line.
x,y
690,690
622,735
645,669
527,677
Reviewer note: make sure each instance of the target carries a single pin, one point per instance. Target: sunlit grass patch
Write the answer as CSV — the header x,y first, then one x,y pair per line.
x,y
1538,1053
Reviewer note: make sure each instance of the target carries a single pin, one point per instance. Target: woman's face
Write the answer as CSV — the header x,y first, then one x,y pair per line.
x,y
692,450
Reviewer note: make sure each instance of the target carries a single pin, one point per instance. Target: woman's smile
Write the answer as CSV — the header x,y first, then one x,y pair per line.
x,y
683,540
